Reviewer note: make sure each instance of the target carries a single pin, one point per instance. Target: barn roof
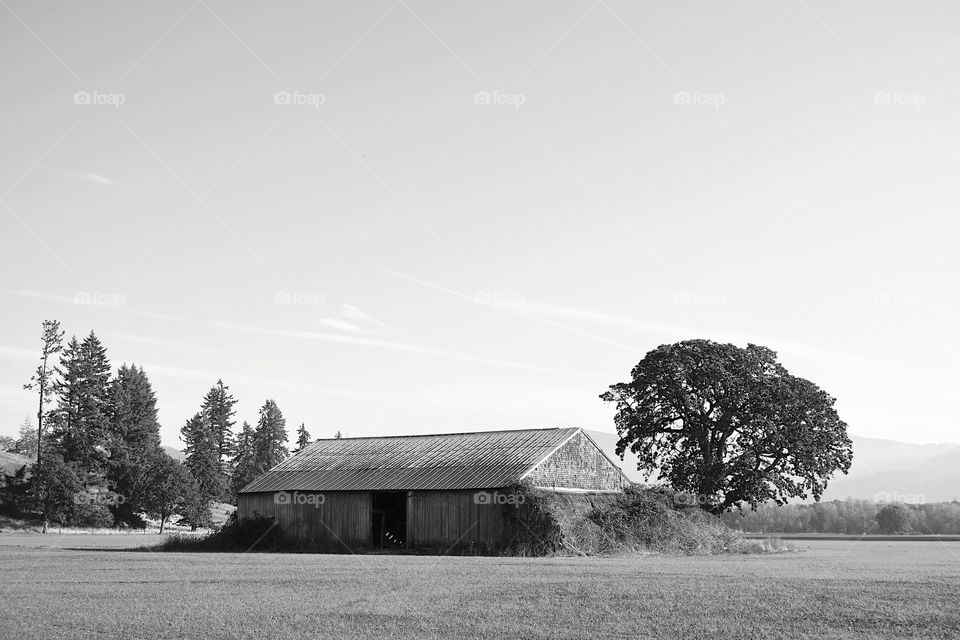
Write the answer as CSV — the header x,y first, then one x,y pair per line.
x,y
481,460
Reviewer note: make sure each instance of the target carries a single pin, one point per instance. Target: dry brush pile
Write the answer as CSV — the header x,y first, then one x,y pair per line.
x,y
639,520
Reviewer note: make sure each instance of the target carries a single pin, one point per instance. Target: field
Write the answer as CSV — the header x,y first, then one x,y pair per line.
x,y
827,589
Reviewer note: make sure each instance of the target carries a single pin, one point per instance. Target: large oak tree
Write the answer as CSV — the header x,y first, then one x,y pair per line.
x,y
729,425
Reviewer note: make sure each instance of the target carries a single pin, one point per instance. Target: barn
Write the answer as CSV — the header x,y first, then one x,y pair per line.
x,y
426,491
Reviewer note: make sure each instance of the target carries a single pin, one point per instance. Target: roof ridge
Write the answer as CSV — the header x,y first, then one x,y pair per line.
x,y
434,435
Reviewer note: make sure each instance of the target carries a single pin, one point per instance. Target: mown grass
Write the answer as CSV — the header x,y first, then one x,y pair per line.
x,y
829,590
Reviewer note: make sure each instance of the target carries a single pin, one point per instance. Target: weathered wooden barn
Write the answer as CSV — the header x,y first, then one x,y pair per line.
x,y
442,491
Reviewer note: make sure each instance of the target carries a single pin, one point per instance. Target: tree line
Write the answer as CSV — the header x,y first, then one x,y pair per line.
x,y
98,457
853,517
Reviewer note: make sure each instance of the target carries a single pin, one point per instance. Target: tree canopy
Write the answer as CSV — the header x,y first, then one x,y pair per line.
x,y
729,425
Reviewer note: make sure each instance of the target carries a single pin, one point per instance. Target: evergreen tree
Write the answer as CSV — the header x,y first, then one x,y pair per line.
x,y
218,411
204,466
80,425
303,438
244,461
27,441
269,439
136,442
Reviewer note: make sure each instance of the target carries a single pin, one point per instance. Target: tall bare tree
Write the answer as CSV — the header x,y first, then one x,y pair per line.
x,y
42,379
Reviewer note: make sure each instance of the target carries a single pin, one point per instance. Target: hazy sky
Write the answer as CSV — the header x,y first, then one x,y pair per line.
x,y
466,216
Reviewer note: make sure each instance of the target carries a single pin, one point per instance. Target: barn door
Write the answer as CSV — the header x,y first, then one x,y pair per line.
x,y
388,521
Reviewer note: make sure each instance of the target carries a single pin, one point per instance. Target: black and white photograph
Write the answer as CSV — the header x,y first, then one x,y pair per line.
x,y
422,319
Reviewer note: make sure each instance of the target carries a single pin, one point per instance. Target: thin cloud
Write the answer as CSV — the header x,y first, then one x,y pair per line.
x,y
353,313
396,346
21,355
79,298
685,332
342,325
86,176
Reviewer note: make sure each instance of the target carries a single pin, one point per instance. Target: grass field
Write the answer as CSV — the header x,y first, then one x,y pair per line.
x,y
827,589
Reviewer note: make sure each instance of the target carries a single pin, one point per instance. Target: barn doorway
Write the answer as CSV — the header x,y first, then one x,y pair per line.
x,y
389,519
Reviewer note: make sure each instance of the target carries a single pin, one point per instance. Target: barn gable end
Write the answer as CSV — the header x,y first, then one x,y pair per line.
x,y
578,464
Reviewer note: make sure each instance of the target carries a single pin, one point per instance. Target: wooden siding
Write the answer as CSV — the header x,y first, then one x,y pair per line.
x,y
456,519
578,464
341,521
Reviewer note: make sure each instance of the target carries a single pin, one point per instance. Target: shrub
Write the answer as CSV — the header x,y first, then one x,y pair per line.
x,y
639,520
251,534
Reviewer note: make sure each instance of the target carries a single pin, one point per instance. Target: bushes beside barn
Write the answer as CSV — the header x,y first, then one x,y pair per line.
x,y
638,520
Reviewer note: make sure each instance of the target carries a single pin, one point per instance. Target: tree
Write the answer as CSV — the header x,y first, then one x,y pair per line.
x,y
303,438
8,443
56,487
26,442
730,425
171,488
203,463
218,410
244,469
43,378
894,518
136,442
269,438
80,426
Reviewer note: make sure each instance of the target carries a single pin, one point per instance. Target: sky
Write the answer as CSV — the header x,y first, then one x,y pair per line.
x,y
423,217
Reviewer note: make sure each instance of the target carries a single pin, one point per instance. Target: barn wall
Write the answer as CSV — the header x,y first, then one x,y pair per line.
x,y
336,520
578,464
448,519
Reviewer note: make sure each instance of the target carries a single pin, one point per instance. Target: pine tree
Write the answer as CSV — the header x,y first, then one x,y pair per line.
x,y
42,380
244,461
218,411
303,438
269,439
202,462
136,441
27,440
80,425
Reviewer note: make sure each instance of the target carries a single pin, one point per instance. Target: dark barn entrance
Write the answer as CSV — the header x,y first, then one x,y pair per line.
x,y
389,518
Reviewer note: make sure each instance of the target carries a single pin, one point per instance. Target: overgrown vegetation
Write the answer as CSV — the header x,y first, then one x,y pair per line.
x,y
639,520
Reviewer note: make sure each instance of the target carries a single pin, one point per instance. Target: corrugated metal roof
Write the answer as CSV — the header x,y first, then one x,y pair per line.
x,y
481,460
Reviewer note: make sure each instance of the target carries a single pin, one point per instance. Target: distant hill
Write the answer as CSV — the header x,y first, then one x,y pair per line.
x,y
176,454
904,472
10,463
881,469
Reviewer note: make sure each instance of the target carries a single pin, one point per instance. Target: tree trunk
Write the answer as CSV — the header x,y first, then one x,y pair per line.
x,y
163,519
